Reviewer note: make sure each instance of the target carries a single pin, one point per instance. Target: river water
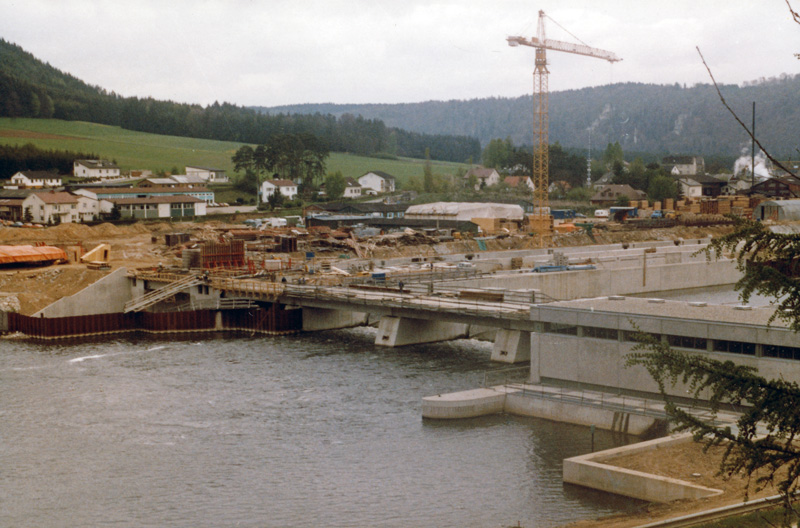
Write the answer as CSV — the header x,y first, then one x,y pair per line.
x,y
320,429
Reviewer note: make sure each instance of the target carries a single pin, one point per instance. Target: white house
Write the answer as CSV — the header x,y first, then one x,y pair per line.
x,y
34,180
208,174
286,187
103,205
60,206
377,182
684,165
101,169
520,182
352,189
485,177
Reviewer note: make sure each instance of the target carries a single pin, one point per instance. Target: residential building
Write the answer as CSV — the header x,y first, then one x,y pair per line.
x,y
485,177
287,188
60,207
609,194
778,187
100,169
34,180
377,182
352,188
684,165
520,182
700,185
11,209
208,174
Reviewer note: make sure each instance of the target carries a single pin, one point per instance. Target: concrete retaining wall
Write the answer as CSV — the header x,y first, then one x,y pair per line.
x,y
493,400
561,411
616,281
107,295
592,471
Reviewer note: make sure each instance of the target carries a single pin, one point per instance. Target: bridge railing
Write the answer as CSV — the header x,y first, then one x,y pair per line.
x,y
249,287
479,306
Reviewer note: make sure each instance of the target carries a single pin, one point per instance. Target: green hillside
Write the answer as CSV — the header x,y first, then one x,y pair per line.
x,y
30,88
139,150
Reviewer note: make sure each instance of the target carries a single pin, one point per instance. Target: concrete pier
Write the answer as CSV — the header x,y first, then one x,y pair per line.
x,y
400,331
512,346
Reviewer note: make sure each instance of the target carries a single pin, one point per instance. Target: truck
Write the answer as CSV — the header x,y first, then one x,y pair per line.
x,y
563,214
620,214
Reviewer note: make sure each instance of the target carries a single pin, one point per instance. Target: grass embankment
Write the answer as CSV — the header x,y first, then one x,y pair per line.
x,y
762,519
141,151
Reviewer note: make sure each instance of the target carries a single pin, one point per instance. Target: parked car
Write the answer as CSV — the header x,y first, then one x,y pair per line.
x,y
601,213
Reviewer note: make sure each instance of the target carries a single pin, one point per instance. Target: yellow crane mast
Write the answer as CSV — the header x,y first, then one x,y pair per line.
x,y
541,123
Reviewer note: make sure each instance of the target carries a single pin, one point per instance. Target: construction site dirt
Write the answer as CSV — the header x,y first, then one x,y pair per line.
x,y
30,289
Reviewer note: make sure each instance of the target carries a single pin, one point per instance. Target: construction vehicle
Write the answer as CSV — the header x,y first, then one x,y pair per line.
x,y
541,118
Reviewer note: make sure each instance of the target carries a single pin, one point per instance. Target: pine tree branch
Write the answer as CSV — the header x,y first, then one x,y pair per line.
x,y
749,132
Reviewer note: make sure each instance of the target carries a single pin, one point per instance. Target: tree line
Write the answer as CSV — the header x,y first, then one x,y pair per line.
x,y
30,88
14,159
663,119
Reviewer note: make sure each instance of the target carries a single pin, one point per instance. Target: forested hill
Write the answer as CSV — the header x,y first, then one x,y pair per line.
x,y
642,117
32,88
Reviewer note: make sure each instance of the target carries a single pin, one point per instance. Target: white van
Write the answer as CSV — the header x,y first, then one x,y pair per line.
x,y
601,213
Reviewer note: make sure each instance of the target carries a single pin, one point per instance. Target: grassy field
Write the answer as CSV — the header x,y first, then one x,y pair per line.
x,y
138,150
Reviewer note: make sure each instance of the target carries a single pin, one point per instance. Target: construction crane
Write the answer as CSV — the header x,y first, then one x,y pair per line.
x,y
541,120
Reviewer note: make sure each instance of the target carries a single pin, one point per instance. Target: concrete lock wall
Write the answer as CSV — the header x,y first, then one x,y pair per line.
x,y
400,331
616,281
107,295
494,400
569,412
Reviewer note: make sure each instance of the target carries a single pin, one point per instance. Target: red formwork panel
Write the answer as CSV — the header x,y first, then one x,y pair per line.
x,y
274,319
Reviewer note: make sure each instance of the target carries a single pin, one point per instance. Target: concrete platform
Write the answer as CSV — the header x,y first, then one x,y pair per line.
x,y
466,404
591,471
635,416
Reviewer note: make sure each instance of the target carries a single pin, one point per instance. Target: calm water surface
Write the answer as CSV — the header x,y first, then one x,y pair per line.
x,y
314,430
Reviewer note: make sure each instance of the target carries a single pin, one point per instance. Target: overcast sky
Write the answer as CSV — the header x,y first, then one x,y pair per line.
x,y
277,52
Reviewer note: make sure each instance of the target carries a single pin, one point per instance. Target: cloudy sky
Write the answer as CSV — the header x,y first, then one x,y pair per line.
x,y
277,52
